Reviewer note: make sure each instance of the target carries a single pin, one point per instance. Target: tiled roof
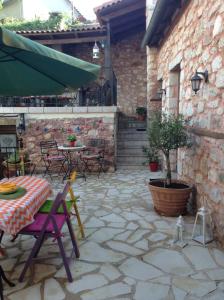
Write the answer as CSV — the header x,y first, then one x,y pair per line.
x,y
83,27
106,5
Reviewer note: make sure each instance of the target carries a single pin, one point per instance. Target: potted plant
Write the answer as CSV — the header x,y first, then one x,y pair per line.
x,y
166,133
72,139
152,158
141,113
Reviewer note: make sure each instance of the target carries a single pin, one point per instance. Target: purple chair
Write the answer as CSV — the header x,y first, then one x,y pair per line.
x,y
50,225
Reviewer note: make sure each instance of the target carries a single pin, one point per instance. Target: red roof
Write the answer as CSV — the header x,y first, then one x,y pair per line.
x,y
106,5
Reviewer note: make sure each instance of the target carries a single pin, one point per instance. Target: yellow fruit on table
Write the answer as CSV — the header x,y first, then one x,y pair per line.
x,y
7,187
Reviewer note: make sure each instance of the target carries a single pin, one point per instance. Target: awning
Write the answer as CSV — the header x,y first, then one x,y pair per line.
x,y
29,68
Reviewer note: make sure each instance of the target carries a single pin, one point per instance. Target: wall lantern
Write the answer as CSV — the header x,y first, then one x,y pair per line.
x,y
96,51
196,80
160,93
21,126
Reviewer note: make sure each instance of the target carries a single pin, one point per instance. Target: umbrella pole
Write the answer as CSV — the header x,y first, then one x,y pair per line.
x,y
21,155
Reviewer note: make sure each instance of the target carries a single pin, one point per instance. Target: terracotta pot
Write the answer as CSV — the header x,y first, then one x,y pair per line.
x,y
72,143
153,166
170,202
141,117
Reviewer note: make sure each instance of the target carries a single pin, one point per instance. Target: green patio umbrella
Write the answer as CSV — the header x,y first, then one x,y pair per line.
x,y
29,68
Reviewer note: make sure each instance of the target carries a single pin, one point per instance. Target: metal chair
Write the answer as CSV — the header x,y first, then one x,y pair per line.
x,y
3,277
50,226
93,155
53,160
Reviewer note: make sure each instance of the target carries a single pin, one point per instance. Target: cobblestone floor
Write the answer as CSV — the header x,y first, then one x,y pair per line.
x,y
127,254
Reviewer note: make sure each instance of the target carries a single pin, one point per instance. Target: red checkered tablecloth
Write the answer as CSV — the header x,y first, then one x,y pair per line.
x,y
18,213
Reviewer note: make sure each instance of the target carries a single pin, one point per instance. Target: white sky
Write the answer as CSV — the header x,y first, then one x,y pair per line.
x,y
86,7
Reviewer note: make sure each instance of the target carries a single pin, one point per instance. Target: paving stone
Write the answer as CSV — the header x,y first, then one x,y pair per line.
x,y
145,225
137,236
122,247
162,225
42,271
195,287
199,257
123,236
19,286
110,272
132,226
216,274
151,291
113,218
53,290
101,213
151,218
113,290
77,269
88,282
199,275
94,222
105,234
179,294
157,236
131,216
91,251
129,281
219,256
137,269
216,295
162,280
143,244
32,292
169,261
8,264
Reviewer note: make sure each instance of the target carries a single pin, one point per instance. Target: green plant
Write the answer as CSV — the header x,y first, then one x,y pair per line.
x,y
141,111
151,154
71,138
166,133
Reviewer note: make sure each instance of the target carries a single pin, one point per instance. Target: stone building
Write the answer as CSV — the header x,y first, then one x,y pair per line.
x,y
121,27
183,37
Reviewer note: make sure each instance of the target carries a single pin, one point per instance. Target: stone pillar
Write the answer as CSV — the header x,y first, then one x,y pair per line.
x,y
152,82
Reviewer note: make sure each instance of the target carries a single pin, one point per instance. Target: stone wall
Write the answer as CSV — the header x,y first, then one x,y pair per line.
x,y
196,42
129,64
52,127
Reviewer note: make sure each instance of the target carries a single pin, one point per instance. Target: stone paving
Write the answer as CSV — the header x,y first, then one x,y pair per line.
x,y
127,254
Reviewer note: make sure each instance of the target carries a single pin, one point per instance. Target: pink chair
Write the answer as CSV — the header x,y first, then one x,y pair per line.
x,y
50,225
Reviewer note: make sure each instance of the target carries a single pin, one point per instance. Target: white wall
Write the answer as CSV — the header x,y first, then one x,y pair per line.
x,y
14,9
41,8
31,9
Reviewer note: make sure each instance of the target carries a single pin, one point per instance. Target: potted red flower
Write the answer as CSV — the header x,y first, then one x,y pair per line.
x,y
72,139
152,158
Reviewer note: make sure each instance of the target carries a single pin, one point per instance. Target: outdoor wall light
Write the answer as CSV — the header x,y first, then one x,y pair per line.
x,y
21,126
196,80
160,93
96,51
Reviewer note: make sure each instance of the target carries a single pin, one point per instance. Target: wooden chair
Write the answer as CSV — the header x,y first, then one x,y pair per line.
x,y
71,203
50,226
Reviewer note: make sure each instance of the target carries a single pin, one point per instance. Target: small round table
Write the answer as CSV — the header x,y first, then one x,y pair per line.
x,y
73,162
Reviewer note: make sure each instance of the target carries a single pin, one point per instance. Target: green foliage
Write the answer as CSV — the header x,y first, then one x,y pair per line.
x,y
141,111
71,138
54,22
151,154
166,133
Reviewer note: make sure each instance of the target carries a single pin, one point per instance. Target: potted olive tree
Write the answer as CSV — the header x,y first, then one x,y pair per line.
x,y
141,113
166,133
152,158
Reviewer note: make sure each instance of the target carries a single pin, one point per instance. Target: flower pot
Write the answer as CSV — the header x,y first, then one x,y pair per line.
x,y
153,166
170,201
72,143
141,117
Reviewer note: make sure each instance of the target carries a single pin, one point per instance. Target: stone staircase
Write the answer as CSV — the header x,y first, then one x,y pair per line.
x,y
132,137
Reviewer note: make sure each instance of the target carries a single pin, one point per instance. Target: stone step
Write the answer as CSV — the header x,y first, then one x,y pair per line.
x,y
131,167
131,144
131,124
129,151
139,136
132,160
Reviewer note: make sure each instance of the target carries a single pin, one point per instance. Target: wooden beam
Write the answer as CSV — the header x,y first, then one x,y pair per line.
x,y
123,11
128,27
72,40
103,30
129,18
205,132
